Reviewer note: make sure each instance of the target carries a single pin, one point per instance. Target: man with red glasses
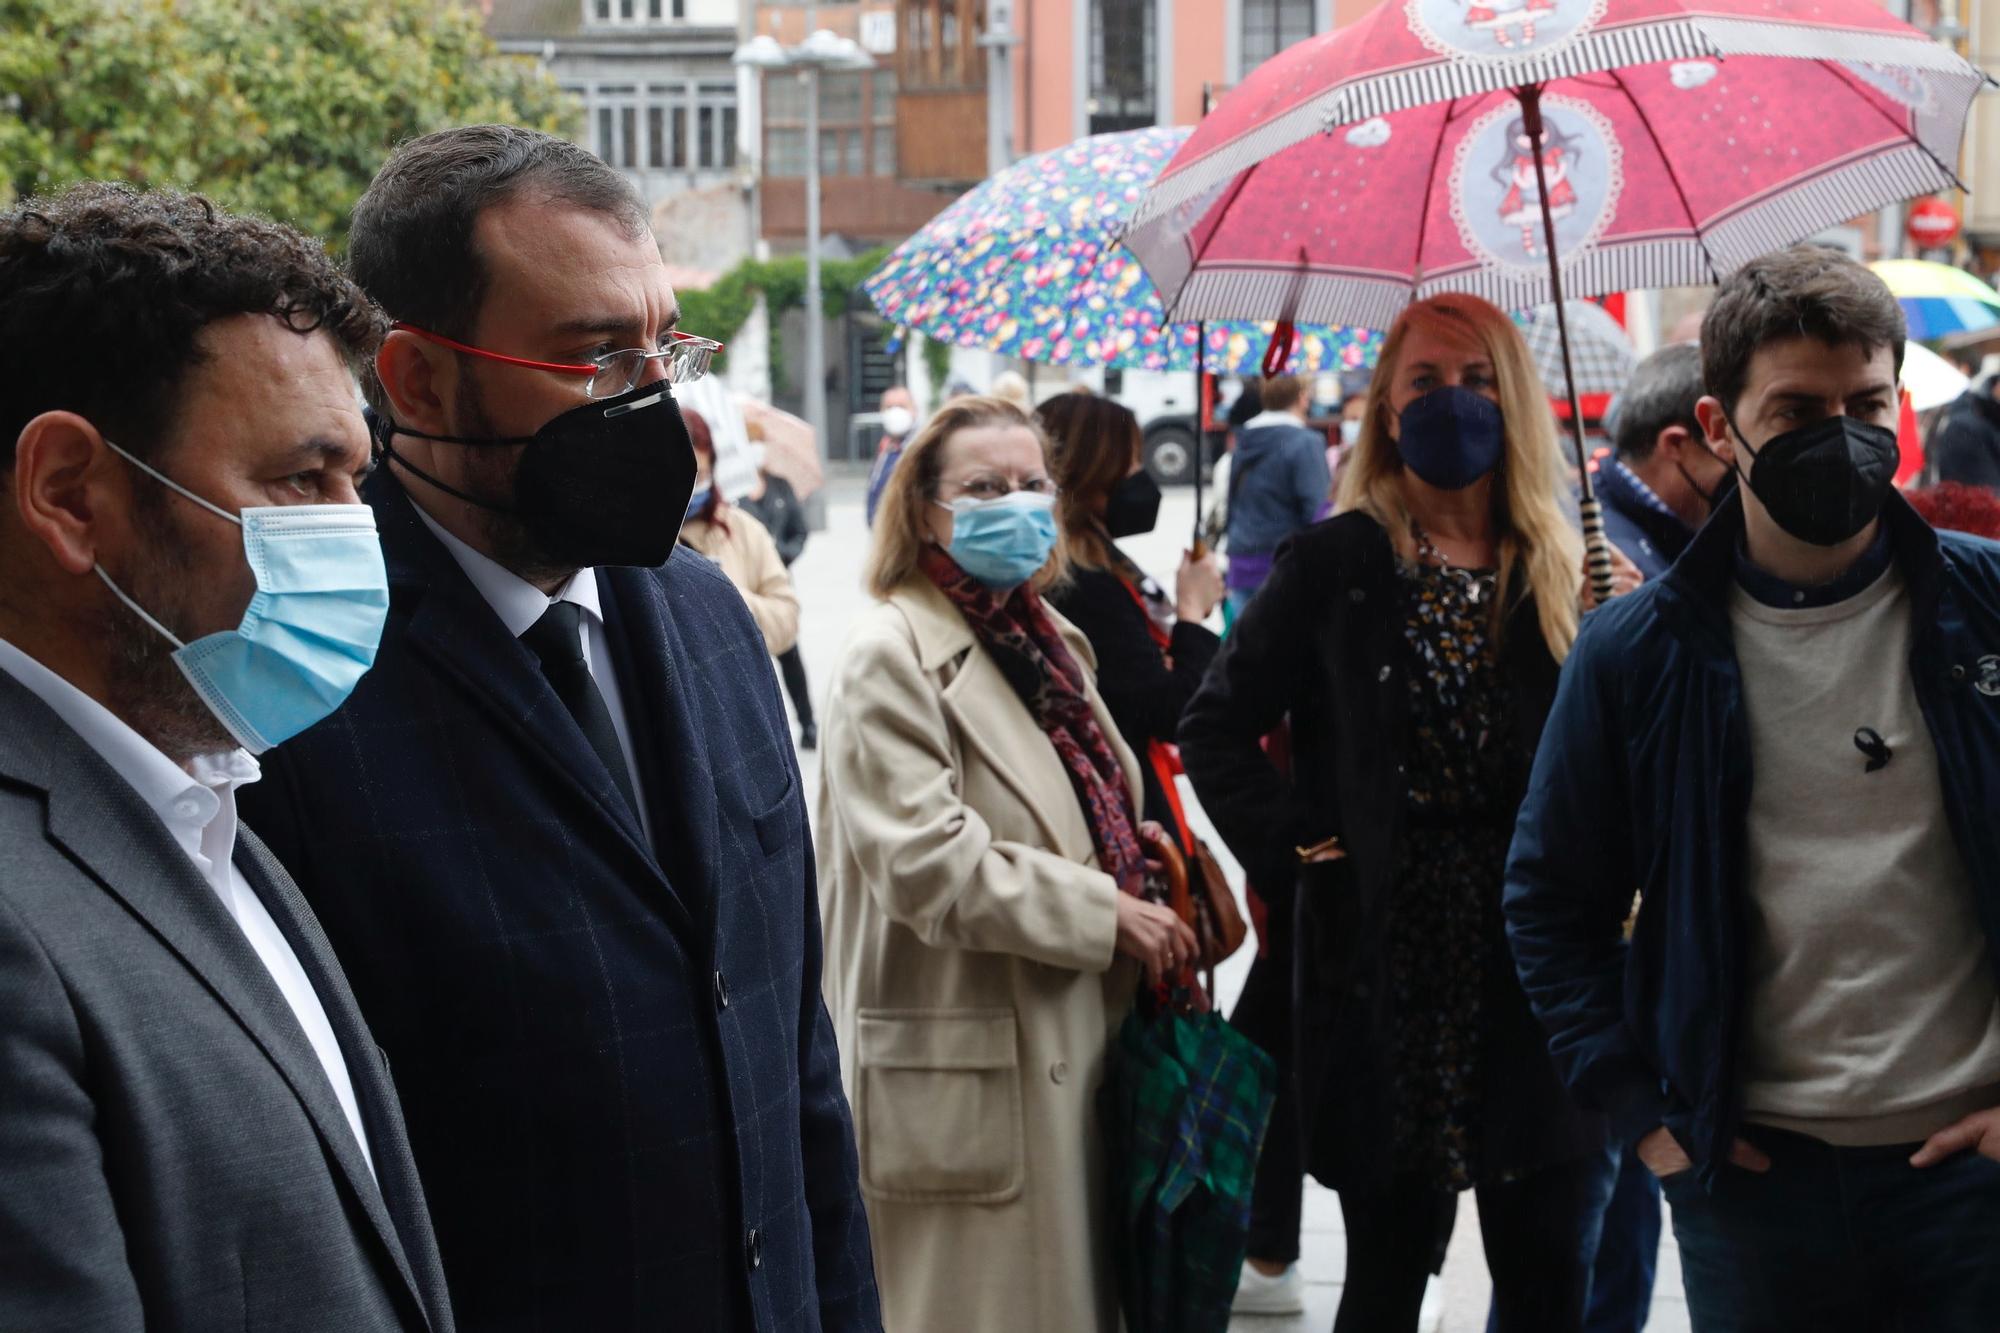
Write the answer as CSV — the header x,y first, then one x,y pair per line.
x,y
557,837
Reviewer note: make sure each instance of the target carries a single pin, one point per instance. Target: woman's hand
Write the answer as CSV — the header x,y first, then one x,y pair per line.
x,y
1625,576
1197,587
1155,936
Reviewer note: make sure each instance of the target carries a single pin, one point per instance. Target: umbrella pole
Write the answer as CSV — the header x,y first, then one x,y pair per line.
x,y
1200,548
1597,548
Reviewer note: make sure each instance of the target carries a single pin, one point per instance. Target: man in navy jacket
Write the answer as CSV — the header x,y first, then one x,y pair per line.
x,y
1661,482
558,839
1790,746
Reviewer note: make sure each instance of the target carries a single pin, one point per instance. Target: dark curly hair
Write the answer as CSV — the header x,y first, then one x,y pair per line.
x,y
104,291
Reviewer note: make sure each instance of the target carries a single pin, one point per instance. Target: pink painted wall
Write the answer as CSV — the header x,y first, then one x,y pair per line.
x,y
1045,113
1200,46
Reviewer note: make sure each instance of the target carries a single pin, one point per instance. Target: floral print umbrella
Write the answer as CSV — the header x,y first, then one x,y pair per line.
x,y
1027,265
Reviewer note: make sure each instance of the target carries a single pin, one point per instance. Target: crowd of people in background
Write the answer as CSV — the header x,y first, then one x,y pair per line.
x,y
410,915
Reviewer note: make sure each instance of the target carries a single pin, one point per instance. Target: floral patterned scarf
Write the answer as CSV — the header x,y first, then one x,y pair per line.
x,y
1016,632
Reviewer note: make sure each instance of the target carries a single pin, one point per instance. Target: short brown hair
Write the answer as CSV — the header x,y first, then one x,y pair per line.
x,y
1092,442
105,278
899,517
1282,393
410,246
1807,291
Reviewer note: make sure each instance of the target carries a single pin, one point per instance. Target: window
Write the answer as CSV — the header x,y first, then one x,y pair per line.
x,y
598,12
705,135
1121,65
1269,26
939,48
656,136
784,152
846,117
882,129
680,119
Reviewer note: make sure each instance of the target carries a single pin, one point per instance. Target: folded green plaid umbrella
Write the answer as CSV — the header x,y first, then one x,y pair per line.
x,y
1184,1105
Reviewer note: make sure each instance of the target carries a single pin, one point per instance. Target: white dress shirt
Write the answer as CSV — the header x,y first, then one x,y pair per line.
x,y
198,806
519,604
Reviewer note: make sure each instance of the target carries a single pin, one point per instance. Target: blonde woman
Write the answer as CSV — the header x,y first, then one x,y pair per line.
x,y
980,877
1414,640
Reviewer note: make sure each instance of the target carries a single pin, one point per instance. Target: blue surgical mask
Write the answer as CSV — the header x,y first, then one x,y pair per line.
x,y
310,631
1002,542
1451,437
697,502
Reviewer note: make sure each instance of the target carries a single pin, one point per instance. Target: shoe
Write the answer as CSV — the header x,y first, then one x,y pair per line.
x,y
1257,1294
809,736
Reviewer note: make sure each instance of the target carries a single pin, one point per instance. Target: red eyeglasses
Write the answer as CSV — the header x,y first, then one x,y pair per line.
x,y
686,358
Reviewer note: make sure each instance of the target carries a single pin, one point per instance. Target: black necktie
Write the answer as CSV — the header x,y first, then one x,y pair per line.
x,y
557,639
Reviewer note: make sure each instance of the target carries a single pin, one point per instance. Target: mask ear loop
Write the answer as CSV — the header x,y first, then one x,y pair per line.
x,y
386,430
137,609
171,484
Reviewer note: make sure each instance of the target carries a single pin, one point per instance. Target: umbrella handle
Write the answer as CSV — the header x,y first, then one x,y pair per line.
x,y
1597,548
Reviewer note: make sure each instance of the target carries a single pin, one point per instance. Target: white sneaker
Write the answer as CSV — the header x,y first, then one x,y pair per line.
x,y
1257,1294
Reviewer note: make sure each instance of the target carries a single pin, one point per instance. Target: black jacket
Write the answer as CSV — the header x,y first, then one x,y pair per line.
x,y
1322,642
781,511
620,1081
1145,695
1643,783
1965,446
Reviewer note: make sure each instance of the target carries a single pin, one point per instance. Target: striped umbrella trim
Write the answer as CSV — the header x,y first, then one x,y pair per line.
x,y
1827,200
1609,48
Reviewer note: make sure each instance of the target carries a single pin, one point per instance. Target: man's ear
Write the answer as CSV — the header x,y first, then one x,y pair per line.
x,y
1715,428
1673,441
418,378
64,488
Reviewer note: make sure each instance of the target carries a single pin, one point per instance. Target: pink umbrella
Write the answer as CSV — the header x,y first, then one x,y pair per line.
x,y
1479,169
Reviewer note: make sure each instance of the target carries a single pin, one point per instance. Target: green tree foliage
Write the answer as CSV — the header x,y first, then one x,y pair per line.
x,y
283,108
722,308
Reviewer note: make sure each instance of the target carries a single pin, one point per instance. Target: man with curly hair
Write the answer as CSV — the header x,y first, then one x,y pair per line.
x,y
197,1130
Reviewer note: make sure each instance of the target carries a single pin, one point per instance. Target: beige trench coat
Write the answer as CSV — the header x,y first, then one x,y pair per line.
x,y
749,557
970,974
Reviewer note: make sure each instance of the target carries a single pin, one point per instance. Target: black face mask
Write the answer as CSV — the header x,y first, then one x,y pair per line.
x,y
1825,482
605,483
1133,506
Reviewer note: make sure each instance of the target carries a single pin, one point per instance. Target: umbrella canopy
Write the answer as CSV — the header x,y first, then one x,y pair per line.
x,y
1412,52
1183,1107
1931,380
1025,266
1661,175
1600,351
789,448
1938,299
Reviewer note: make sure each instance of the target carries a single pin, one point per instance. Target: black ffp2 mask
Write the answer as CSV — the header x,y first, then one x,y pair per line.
x,y
1133,506
605,483
1826,481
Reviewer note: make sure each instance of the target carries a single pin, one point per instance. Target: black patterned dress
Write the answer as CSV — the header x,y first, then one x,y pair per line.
x,y
1464,773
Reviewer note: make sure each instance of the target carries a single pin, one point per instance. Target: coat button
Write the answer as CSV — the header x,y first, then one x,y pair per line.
x,y
1357,595
753,1248
1384,674
721,992
1058,1071
1958,673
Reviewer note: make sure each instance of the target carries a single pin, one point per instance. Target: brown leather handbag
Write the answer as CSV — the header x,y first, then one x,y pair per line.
x,y
1199,895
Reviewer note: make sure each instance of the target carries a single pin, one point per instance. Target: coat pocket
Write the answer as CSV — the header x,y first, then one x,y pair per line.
x,y
939,1105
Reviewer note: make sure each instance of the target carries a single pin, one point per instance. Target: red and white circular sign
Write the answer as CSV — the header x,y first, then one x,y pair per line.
x,y
1933,223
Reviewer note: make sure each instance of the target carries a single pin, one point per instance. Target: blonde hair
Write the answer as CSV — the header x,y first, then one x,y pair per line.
x,y
1532,527
901,531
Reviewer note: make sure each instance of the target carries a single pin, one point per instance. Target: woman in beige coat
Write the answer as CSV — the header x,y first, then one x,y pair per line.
x,y
740,544
979,877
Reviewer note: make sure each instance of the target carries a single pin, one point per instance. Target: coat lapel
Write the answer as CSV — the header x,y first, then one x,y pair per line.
x,y
1012,745
460,634
102,823
397,1208
651,656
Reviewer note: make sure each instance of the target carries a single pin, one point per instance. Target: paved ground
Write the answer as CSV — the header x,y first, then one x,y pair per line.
x,y
829,583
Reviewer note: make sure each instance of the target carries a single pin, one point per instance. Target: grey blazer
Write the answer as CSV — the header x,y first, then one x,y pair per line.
x,y
171,1153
